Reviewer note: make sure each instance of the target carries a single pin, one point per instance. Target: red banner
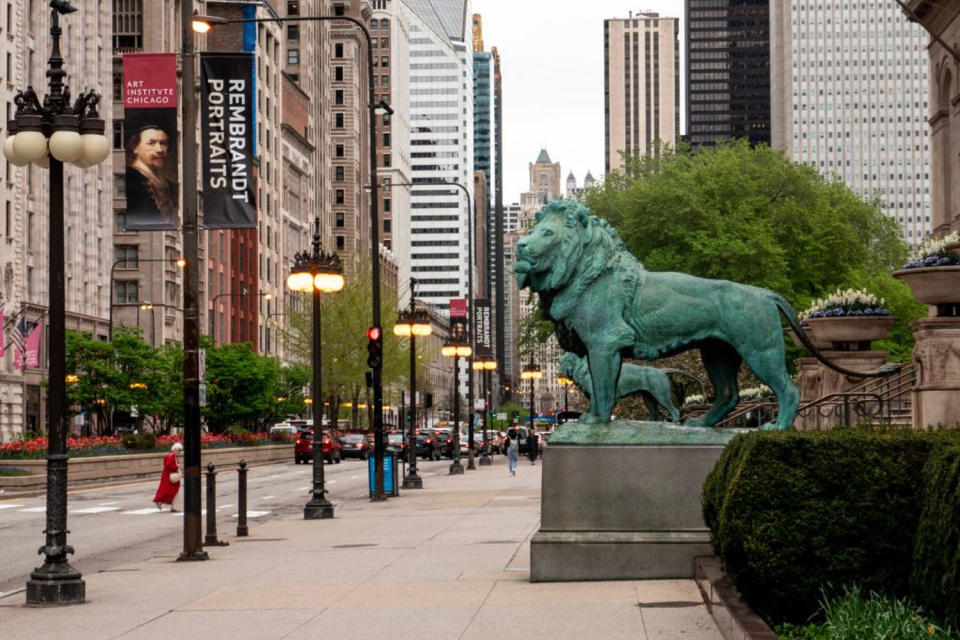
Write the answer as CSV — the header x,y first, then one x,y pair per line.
x,y
458,307
150,139
33,348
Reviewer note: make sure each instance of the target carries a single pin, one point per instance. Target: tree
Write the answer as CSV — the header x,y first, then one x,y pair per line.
x,y
241,387
751,215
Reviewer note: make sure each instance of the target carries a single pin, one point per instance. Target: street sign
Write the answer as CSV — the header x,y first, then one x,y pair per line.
x,y
502,415
203,394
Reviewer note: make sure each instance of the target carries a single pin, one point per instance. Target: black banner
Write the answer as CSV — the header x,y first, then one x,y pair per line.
x,y
227,121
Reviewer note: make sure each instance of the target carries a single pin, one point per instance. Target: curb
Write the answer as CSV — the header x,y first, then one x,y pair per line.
x,y
735,619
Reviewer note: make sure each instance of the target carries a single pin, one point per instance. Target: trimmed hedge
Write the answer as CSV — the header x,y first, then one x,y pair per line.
x,y
792,512
935,582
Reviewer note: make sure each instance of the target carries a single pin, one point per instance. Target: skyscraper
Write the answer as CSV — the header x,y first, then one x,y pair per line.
x,y
850,91
484,135
728,70
441,138
641,80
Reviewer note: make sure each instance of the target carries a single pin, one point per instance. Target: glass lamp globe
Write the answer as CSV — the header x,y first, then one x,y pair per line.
x,y
300,281
401,329
422,329
328,282
96,148
11,154
65,143
31,146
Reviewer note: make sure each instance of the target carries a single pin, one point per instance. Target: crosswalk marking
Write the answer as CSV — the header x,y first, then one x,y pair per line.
x,y
34,510
106,504
142,512
267,497
252,514
9,506
95,510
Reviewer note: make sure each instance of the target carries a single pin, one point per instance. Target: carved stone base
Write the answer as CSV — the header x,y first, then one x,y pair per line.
x,y
817,380
936,398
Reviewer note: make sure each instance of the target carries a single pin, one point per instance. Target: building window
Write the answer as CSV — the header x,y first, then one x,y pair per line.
x,y
339,173
293,8
339,198
338,96
338,10
338,120
338,50
340,220
120,221
127,25
338,73
386,160
127,291
340,243
293,32
386,225
386,204
119,185
386,139
118,134
339,151
293,56
127,256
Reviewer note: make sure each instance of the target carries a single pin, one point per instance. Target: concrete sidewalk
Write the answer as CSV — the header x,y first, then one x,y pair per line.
x,y
449,561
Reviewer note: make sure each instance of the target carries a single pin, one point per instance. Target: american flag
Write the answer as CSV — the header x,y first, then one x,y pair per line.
x,y
16,336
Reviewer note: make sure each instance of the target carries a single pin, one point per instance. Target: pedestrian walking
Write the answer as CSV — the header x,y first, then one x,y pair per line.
x,y
533,446
513,450
169,490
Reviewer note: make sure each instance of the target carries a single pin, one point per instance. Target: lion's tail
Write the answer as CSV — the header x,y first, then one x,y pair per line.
x,y
791,316
681,372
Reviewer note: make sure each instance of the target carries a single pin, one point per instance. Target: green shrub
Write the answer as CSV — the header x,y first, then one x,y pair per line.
x,y
715,486
935,582
803,509
140,441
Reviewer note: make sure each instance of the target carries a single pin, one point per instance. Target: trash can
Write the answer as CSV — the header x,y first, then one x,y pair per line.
x,y
390,486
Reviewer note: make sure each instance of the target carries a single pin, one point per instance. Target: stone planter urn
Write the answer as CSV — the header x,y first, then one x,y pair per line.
x,y
796,341
933,285
842,331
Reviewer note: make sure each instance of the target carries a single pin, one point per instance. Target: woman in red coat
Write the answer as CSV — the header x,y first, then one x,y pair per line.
x,y
169,487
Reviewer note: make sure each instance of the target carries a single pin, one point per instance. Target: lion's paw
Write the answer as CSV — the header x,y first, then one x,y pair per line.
x,y
772,426
696,422
592,418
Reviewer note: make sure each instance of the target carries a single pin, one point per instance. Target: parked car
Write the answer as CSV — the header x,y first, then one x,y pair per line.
x,y
303,447
284,427
428,445
395,441
355,445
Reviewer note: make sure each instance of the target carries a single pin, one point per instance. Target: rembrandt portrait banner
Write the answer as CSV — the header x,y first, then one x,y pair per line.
x,y
226,116
150,141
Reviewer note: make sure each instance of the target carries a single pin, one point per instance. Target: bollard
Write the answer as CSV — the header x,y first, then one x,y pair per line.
x,y
242,495
210,540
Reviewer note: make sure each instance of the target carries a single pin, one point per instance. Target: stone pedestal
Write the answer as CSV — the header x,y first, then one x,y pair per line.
x,y
622,501
936,397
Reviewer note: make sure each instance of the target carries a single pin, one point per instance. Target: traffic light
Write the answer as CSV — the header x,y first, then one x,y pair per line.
x,y
374,347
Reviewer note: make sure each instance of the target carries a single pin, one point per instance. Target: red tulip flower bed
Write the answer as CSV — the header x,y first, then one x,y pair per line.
x,y
113,445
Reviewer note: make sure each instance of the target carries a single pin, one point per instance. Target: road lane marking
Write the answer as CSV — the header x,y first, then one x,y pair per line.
x,y
142,512
9,506
267,497
331,481
106,504
303,488
222,508
34,510
354,477
252,514
95,510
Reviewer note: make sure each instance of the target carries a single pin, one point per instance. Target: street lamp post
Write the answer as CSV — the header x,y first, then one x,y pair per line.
x,y
316,272
412,323
203,24
458,346
565,382
532,373
56,133
485,363
471,332
148,306
180,262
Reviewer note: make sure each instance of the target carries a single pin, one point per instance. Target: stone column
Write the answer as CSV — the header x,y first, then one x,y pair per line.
x,y
936,397
816,380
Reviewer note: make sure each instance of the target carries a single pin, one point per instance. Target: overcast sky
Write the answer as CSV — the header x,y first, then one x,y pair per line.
x,y
551,54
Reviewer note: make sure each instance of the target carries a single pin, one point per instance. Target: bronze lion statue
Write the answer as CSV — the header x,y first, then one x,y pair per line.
x,y
604,305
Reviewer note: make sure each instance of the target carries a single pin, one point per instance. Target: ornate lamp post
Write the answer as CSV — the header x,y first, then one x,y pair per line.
x,y
49,135
316,272
485,363
241,294
411,323
566,383
458,346
532,373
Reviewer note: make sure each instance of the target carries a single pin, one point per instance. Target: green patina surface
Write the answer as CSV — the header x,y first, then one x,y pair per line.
x,y
635,432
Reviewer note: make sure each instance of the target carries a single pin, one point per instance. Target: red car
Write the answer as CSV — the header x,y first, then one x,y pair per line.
x,y
303,448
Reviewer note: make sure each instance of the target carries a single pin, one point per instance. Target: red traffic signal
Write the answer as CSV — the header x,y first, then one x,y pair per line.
x,y
373,333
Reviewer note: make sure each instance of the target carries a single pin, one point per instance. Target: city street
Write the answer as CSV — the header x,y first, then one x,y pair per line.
x,y
120,524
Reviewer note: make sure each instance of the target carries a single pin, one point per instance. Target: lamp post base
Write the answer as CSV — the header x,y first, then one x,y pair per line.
x,y
318,510
470,464
485,460
412,481
456,469
198,555
59,585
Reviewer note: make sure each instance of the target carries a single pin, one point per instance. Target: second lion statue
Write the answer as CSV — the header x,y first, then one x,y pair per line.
x,y
606,306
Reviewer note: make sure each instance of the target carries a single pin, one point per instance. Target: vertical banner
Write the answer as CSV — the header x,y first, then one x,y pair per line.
x,y
458,315
481,322
17,340
33,347
150,139
2,334
226,117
